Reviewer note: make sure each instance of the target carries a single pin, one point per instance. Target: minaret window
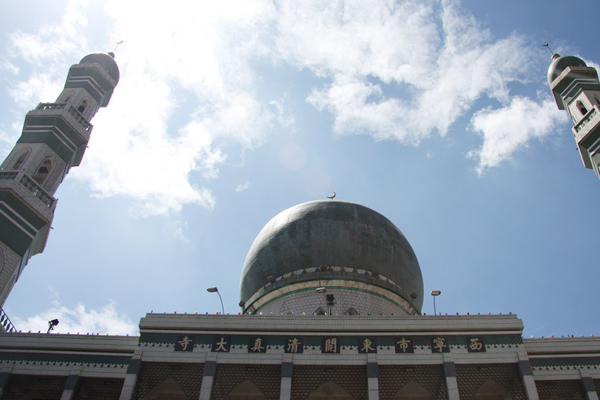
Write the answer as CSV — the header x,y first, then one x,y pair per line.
x,y
21,159
82,106
69,95
581,107
320,311
43,171
351,311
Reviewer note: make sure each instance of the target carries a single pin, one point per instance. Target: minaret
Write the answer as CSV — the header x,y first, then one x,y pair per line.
x,y
54,138
576,89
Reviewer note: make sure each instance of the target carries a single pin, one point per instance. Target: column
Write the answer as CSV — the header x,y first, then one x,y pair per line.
x,y
70,386
208,376
373,378
133,371
287,369
587,386
450,374
4,379
528,382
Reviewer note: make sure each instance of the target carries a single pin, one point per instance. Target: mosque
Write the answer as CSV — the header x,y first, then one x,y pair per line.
x,y
330,296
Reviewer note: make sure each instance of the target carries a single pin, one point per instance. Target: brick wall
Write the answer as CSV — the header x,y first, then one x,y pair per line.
x,y
308,378
471,378
187,376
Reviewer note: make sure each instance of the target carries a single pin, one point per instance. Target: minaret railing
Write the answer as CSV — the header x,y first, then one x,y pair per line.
x,y
5,322
31,185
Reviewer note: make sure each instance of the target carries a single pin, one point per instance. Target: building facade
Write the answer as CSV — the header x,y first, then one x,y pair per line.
x,y
297,344
330,296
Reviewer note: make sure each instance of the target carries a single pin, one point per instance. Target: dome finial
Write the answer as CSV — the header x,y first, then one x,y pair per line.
x,y
554,55
112,53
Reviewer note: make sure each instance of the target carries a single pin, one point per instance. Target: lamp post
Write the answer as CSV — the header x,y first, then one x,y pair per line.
x,y
215,290
435,293
329,298
52,324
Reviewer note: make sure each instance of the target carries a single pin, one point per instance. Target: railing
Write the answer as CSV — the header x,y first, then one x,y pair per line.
x,y
37,190
5,322
51,106
587,118
80,118
8,175
72,110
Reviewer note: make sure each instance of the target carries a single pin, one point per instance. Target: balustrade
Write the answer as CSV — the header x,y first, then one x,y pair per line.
x,y
37,190
6,323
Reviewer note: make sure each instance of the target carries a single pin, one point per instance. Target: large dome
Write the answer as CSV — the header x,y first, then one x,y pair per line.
x,y
336,244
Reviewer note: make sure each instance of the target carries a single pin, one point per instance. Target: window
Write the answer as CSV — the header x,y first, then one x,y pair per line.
x,y
581,107
68,97
412,390
82,106
43,171
320,311
21,158
351,311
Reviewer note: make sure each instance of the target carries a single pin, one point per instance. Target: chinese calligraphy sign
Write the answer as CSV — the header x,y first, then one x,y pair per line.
x,y
221,344
184,343
330,345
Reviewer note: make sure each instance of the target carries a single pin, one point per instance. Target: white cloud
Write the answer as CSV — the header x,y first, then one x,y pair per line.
x,y
242,186
396,73
508,129
79,320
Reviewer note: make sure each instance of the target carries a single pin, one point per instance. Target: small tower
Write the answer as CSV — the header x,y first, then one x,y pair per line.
x,y
576,89
54,139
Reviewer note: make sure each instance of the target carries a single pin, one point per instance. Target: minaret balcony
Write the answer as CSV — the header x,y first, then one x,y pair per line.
x,y
56,108
25,187
587,134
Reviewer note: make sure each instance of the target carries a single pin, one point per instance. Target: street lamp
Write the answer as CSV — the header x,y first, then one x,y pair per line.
x,y
435,293
329,298
52,324
215,290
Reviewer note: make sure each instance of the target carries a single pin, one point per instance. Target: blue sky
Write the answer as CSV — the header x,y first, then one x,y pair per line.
x,y
437,114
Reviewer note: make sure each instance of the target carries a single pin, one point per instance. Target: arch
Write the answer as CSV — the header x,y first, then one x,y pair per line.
x,y
492,390
83,105
413,391
582,109
166,390
246,390
351,311
320,311
44,170
21,158
330,390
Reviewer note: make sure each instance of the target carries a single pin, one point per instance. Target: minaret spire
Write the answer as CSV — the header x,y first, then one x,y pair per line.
x,y
54,138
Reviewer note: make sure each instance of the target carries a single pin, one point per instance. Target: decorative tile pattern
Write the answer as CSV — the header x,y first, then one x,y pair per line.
x,y
307,378
471,377
563,389
187,376
266,377
93,388
392,378
35,387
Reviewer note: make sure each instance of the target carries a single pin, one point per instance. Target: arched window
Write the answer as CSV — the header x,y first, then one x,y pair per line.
x,y
82,106
320,311
246,391
67,97
491,390
330,390
581,107
167,390
412,390
43,171
351,311
21,158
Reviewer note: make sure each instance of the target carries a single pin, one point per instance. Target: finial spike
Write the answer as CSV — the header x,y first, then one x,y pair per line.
x,y
112,53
